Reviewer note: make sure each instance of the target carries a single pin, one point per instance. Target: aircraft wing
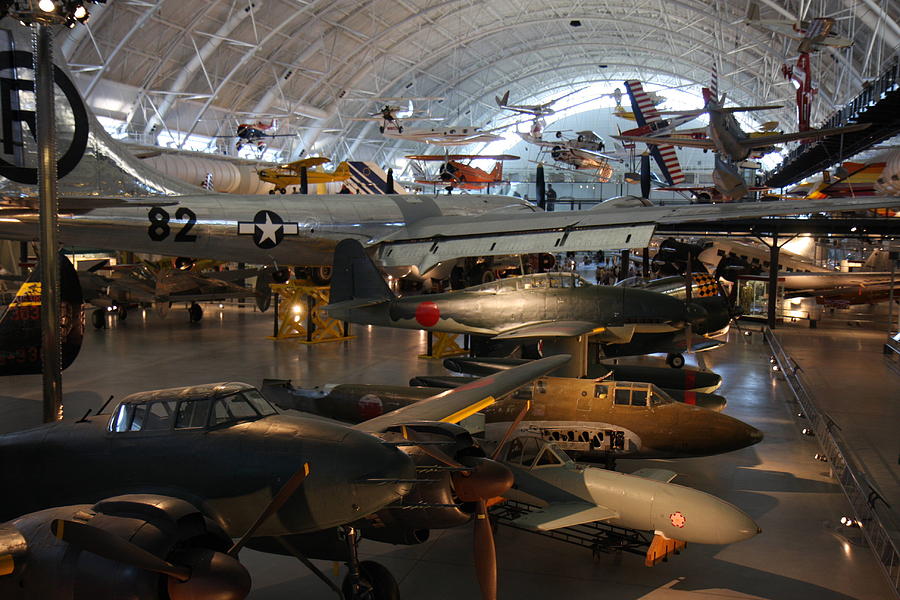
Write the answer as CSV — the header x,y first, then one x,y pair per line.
x,y
663,475
455,405
565,514
77,204
431,240
549,329
670,140
768,140
307,162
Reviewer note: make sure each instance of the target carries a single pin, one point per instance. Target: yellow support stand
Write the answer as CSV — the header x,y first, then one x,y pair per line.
x,y
300,316
442,345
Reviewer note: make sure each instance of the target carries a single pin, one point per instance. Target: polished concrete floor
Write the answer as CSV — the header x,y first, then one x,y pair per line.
x,y
801,553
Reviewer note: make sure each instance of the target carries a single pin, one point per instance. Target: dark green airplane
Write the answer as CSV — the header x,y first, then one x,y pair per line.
x,y
148,499
593,421
529,306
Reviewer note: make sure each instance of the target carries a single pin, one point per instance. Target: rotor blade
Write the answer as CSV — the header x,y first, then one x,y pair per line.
x,y
111,547
286,491
431,451
512,427
485,553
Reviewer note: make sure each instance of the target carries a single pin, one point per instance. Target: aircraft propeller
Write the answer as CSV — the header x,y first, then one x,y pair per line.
x,y
200,573
478,480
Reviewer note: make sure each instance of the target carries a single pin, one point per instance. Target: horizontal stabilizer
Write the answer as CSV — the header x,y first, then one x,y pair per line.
x,y
663,475
549,329
566,514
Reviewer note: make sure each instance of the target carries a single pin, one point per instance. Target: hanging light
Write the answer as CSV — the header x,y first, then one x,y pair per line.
x,y
47,5
80,12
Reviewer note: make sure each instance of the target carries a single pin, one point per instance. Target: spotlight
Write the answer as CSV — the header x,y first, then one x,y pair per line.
x,y
221,305
850,522
807,431
748,333
47,5
800,415
772,359
775,368
109,309
80,12
821,457
296,309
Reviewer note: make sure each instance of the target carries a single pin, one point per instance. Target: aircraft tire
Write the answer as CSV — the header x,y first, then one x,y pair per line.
x,y
321,275
676,361
98,318
283,190
383,585
195,313
272,191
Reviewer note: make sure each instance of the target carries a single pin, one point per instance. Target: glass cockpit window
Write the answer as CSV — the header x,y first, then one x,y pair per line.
x,y
547,458
158,416
514,454
238,407
600,391
123,418
192,414
623,396
639,397
530,449
261,405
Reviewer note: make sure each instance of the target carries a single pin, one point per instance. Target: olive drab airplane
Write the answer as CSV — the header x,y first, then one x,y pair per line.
x,y
20,323
110,199
211,463
594,421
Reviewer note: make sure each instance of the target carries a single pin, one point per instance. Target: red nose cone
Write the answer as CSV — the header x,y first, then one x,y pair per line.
x,y
427,314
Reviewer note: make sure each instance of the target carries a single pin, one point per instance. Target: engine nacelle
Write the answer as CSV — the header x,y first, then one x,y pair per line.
x,y
50,569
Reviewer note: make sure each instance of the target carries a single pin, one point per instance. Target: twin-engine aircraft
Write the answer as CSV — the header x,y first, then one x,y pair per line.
x,y
110,199
144,502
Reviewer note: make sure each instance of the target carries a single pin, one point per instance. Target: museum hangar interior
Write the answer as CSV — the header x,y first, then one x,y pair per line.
x,y
450,299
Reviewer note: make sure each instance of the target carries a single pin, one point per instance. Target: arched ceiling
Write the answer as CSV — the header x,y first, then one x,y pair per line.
x,y
199,67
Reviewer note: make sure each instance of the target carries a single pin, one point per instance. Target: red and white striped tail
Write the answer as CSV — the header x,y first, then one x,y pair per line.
x,y
645,104
672,165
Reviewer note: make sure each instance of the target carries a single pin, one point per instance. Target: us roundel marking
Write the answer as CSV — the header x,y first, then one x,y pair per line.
x,y
14,119
678,519
427,314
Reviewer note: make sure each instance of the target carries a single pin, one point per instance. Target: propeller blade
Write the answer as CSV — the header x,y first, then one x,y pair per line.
x,y
431,451
512,427
111,547
485,553
286,491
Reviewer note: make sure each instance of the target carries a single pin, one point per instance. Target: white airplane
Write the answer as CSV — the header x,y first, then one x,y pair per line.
x,y
538,110
112,200
451,135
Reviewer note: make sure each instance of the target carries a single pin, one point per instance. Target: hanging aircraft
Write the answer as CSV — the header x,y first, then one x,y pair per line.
x,y
213,462
391,115
731,143
537,110
256,134
20,325
812,33
594,421
294,173
453,173
112,200
620,111
452,135
583,152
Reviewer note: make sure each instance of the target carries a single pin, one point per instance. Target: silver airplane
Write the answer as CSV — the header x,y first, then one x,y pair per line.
x,y
109,199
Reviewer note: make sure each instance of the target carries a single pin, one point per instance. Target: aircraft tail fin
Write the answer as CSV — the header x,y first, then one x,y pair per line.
x,y
497,173
355,278
342,172
369,178
20,325
504,100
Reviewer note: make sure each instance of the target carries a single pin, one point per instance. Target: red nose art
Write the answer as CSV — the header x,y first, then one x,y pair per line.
x,y
427,314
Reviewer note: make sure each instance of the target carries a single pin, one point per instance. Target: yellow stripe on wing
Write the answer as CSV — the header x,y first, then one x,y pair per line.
x,y
469,410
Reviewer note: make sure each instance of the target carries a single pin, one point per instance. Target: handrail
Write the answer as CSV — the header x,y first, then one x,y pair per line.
x,y
860,492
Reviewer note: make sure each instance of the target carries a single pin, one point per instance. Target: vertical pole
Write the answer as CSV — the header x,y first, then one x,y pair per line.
x,y
275,315
51,347
645,267
773,280
310,303
892,256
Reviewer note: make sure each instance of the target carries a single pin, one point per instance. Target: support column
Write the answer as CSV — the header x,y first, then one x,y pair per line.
x,y
774,251
645,268
51,347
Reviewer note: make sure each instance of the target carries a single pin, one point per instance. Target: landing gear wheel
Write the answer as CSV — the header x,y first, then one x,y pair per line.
x,y
122,313
375,583
272,191
381,129
676,361
98,318
283,190
281,275
195,313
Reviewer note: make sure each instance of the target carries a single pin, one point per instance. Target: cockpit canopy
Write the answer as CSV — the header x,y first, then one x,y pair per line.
x,y
535,281
192,407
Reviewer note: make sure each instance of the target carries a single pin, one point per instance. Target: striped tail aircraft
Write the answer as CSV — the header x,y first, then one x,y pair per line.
x,y
651,123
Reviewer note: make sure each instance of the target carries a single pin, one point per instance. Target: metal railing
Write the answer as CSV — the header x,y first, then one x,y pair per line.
x,y
864,499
